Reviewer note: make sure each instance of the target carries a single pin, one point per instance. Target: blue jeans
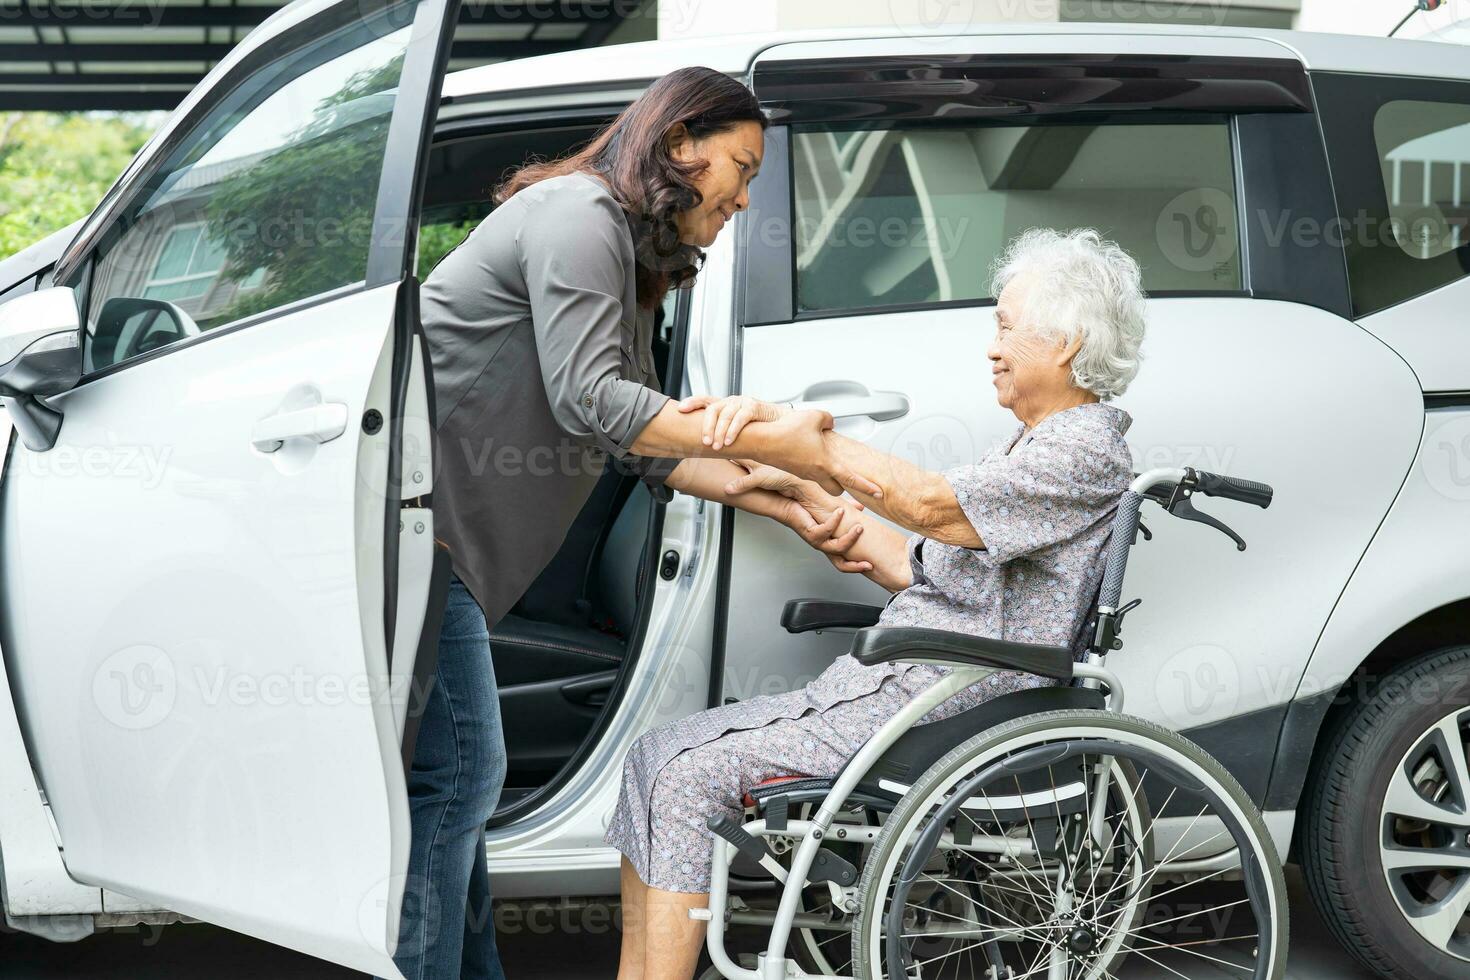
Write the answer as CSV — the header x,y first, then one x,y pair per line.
x,y
447,932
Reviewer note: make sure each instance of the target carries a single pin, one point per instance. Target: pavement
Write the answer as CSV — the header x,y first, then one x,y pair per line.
x,y
575,941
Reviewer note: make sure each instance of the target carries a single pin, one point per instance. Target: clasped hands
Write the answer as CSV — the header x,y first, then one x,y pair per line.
x,y
796,462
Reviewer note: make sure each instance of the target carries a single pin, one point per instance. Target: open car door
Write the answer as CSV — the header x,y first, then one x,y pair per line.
x,y
212,585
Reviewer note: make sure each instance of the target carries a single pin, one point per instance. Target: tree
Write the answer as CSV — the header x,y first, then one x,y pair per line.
x,y
304,212
55,167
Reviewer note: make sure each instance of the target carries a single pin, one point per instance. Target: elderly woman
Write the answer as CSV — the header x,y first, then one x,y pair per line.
x,y
1010,547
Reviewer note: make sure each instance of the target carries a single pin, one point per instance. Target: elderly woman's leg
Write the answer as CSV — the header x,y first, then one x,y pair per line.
x,y
671,939
660,940
679,775
634,914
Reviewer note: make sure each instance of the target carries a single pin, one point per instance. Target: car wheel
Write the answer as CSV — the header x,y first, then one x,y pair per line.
x,y
1385,845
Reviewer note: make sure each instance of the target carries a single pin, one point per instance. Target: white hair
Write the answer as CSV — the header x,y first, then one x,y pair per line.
x,y
1082,285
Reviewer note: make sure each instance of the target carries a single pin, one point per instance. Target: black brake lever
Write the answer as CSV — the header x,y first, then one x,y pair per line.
x,y
1181,507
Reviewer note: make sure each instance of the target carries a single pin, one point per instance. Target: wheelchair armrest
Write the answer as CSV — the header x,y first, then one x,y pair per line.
x,y
883,644
804,615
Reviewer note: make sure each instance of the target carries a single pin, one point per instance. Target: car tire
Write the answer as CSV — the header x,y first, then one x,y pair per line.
x,y
1350,832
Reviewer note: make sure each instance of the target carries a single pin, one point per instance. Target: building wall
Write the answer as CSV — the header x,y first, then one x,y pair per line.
x,y
1377,17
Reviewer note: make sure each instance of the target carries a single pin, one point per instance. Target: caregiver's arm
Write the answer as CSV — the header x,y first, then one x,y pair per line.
x,y
853,539
570,256
802,443
793,442
911,497
713,479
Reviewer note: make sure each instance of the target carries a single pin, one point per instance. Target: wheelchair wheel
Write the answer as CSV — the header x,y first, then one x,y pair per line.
x,y
1057,845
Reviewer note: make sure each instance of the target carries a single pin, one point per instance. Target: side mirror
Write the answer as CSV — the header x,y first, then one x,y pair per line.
x,y
128,326
40,356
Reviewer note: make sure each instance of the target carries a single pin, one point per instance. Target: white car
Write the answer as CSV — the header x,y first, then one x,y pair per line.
x,y
216,521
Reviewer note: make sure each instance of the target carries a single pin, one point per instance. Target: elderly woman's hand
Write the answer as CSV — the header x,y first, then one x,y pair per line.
x,y
815,515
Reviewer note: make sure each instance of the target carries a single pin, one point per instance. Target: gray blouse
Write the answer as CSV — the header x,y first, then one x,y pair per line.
x,y
543,367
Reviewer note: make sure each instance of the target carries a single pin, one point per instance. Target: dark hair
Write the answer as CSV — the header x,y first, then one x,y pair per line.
x,y
631,154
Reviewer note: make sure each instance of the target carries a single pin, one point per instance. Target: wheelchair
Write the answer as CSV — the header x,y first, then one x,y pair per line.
x,y
1041,834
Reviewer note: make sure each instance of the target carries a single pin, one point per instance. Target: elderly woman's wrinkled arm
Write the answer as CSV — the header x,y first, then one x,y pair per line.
x,y
911,497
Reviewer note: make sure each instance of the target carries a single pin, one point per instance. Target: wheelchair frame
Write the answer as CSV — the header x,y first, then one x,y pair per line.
x,y
967,668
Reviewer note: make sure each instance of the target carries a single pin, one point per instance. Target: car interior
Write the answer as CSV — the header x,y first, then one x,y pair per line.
x,y
561,651
955,194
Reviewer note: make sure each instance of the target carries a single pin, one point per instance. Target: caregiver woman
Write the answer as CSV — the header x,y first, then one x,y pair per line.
x,y
540,327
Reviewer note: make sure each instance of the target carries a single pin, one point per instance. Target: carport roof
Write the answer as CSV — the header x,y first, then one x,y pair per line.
x,y
147,54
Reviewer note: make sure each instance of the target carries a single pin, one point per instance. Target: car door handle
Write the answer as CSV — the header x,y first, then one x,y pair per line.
x,y
319,423
843,400
591,691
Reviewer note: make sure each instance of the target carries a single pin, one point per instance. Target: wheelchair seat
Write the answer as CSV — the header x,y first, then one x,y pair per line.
x,y
920,747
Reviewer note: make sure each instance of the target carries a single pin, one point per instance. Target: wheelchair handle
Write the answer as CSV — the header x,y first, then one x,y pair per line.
x,y
1233,488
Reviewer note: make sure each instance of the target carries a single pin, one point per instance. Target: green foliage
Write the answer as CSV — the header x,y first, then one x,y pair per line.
x,y
55,167
440,233
304,213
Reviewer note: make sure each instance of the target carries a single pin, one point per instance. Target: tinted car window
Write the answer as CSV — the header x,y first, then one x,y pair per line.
x,y
1399,149
464,172
1424,153
268,200
906,215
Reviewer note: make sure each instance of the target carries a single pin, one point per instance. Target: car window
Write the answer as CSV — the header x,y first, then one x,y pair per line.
x,y
917,214
1424,154
463,173
443,228
269,199
1399,148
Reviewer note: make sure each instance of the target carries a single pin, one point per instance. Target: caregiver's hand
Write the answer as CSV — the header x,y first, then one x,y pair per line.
x,y
816,516
798,442
759,476
725,417
835,540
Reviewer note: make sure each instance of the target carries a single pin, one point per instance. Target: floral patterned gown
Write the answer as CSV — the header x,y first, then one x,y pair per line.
x,y
1042,502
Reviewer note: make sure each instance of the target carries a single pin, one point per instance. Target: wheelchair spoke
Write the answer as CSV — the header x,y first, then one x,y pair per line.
x,y
1157,963
1046,886
957,918
1153,872
1155,896
1050,944
1181,947
1180,918
974,930
1182,837
1020,864
1113,838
